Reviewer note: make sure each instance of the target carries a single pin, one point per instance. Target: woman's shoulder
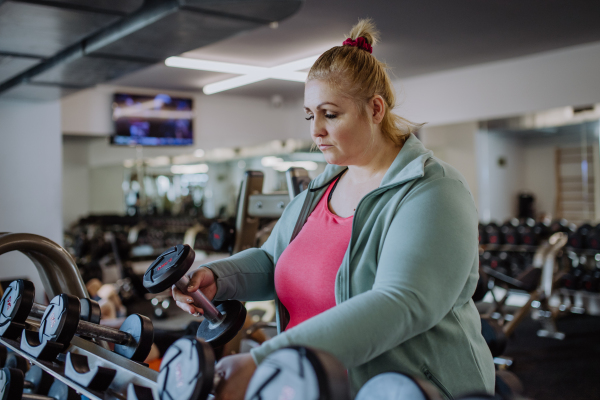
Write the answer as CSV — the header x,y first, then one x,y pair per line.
x,y
443,174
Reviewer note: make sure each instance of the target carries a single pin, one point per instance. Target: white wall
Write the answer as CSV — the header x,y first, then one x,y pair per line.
x,y
566,77
30,179
106,193
500,175
455,144
539,176
76,181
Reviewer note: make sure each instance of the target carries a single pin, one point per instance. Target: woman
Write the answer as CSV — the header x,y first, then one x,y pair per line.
x,y
383,258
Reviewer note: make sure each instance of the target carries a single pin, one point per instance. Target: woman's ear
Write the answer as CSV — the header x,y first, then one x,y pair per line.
x,y
377,106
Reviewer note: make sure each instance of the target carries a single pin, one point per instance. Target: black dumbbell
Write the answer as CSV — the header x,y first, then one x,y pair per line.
x,y
590,281
301,373
17,305
528,233
61,322
397,386
221,323
221,235
510,232
578,239
593,238
493,233
12,383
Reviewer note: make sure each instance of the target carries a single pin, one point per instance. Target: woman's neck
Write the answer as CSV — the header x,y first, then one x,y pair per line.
x,y
375,165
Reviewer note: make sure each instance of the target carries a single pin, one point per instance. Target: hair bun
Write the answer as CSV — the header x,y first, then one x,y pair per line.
x,y
365,28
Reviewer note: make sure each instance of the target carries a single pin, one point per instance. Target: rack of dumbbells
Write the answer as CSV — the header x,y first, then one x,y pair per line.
x,y
580,285
64,339
64,342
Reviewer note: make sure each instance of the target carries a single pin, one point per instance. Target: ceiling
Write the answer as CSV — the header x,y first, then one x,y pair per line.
x,y
49,48
418,37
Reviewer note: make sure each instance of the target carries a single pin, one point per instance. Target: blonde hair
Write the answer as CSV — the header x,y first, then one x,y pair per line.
x,y
356,73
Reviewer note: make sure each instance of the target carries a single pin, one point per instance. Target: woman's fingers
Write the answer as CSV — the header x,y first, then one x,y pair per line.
x,y
189,308
202,279
180,297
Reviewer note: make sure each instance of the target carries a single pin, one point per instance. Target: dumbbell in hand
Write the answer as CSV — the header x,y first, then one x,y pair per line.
x,y
61,322
12,383
221,323
17,305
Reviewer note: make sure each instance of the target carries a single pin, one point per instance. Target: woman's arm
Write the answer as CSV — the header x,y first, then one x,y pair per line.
x,y
424,264
245,276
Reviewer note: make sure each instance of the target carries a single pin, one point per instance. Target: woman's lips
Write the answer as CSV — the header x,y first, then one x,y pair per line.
x,y
324,146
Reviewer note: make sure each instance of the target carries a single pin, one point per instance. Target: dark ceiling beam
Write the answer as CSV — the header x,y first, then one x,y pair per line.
x,y
74,7
151,11
20,55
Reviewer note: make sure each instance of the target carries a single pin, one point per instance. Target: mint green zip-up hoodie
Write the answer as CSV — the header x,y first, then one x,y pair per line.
x,y
403,290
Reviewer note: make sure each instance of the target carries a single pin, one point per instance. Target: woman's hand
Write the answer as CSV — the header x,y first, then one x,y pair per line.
x,y
235,372
203,279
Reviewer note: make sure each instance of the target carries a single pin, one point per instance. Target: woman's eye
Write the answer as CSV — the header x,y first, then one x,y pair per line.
x,y
330,116
309,117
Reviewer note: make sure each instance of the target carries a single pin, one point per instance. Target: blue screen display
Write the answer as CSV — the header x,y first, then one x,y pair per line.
x,y
159,120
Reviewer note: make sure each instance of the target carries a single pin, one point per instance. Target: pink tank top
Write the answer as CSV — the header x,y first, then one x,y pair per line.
x,y
306,270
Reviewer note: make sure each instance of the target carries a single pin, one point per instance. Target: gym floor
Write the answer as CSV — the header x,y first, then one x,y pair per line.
x,y
551,369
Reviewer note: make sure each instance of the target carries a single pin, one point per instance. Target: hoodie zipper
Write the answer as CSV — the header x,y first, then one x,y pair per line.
x,y
436,382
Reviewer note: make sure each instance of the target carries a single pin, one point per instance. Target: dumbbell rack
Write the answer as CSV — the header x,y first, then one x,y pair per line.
x,y
127,371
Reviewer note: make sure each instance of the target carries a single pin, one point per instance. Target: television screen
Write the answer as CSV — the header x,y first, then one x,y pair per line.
x,y
159,120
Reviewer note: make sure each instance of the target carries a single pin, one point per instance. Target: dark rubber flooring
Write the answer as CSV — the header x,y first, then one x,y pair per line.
x,y
558,370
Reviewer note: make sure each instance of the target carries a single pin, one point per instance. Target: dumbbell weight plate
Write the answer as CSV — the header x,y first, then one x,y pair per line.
x,y
59,323
220,235
396,386
220,334
90,311
169,268
16,304
142,331
11,383
187,370
299,373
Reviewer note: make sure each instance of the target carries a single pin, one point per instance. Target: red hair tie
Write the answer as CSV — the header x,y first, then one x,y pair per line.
x,y
360,42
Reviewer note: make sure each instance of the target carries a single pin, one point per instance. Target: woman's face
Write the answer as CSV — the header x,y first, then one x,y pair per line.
x,y
338,128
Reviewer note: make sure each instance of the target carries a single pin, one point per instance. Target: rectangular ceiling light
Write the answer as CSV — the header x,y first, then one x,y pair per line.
x,y
249,74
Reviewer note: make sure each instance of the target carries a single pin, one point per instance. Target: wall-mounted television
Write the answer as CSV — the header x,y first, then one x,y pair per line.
x,y
159,120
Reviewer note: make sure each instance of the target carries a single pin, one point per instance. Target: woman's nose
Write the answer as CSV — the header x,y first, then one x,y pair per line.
x,y
317,128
